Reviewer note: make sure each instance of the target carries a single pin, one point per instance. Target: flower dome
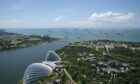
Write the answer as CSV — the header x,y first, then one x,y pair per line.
x,y
35,72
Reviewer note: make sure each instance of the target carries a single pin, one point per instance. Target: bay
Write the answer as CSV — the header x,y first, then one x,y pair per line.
x,y
14,62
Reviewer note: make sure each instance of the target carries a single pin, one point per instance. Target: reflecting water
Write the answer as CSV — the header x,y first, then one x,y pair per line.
x,y
13,63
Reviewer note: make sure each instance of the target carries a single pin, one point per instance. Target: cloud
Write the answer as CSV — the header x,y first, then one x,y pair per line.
x,y
10,23
111,17
58,19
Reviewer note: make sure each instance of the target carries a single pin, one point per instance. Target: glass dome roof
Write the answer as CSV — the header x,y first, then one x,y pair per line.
x,y
35,72
52,56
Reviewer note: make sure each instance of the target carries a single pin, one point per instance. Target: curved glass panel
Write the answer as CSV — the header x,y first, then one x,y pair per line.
x,y
52,56
35,72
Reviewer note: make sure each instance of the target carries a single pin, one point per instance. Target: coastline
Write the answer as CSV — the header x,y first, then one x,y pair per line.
x,y
9,41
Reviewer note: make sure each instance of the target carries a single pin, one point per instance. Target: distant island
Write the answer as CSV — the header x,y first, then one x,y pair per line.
x,y
3,32
13,40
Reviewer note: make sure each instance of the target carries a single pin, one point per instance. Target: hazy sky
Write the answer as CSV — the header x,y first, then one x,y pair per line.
x,y
69,13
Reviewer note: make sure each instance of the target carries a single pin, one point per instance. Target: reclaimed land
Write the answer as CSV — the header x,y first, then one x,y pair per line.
x,y
10,41
101,62
98,62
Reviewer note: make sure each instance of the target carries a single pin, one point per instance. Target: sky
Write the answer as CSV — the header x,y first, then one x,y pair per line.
x,y
69,13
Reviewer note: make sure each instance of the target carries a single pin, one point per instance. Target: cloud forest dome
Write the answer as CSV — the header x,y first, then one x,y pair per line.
x,y
52,56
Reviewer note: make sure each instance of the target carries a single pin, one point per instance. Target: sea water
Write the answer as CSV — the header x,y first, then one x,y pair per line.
x,y
82,34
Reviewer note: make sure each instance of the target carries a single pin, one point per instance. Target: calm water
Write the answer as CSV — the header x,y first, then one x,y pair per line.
x,y
123,34
14,62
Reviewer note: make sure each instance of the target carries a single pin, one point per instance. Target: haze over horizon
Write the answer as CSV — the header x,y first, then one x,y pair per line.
x,y
69,14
